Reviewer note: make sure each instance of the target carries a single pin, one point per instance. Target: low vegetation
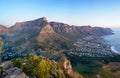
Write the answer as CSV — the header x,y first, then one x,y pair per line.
x,y
96,67
41,67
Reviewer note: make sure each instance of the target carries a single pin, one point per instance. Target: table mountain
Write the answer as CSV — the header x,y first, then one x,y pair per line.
x,y
48,35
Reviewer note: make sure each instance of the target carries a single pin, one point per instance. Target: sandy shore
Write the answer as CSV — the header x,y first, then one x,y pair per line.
x,y
114,50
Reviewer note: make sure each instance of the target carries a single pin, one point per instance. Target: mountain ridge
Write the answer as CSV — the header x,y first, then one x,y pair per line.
x,y
58,27
49,35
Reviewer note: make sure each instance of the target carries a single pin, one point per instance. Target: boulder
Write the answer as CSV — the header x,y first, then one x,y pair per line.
x,y
14,73
7,64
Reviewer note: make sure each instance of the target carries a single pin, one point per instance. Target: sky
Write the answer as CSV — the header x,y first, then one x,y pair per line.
x,y
105,13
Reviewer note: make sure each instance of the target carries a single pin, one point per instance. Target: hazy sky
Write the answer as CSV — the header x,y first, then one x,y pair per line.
x,y
76,12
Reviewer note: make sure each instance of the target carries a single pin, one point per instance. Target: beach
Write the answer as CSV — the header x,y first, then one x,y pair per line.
x,y
114,50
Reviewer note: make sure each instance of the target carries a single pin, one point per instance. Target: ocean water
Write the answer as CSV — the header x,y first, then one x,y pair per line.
x,y
114,40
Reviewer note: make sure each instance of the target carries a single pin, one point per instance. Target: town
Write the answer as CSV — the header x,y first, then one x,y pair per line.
x,y
92,47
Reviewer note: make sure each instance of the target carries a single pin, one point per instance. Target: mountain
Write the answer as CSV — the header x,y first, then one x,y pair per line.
x,y
29,26
30,36
36,34
38,28
44,28
27,29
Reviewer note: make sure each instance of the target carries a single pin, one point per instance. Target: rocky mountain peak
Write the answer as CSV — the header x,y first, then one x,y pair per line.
x,y
39,20
44,19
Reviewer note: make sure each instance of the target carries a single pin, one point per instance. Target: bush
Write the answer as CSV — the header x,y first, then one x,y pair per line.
x,y
17,62
40,67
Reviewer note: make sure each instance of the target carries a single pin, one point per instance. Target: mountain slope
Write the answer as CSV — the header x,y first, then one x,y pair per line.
x,y
36,33
3,30
52,40
46,32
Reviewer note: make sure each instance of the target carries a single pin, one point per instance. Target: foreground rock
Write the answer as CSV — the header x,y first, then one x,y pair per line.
x,y
6,65
12,72
67,67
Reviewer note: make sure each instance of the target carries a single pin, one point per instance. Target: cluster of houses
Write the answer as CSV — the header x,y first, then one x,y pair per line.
x,y
92,52
89,46
93,47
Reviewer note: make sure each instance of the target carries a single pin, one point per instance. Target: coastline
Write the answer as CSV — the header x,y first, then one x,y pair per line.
x,y
114,50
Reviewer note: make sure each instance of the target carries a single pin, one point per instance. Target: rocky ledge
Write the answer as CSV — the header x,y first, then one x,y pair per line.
x,y
9,71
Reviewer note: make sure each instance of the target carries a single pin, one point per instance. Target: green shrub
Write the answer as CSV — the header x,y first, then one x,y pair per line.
x,y
17,62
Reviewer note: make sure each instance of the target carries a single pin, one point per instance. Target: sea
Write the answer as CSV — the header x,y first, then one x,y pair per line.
x,y
114,40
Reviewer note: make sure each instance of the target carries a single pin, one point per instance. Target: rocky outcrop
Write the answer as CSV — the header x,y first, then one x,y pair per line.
x,y
67,67
12,72
7,64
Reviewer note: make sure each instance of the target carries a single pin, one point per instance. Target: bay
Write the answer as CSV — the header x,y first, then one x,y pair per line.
x,y
114,39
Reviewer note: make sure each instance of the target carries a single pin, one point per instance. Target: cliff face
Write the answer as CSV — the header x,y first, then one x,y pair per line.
x,y
67,67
